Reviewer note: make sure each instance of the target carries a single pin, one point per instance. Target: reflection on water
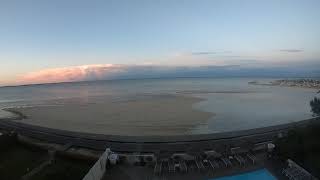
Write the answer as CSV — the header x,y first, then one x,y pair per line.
x,y
237,104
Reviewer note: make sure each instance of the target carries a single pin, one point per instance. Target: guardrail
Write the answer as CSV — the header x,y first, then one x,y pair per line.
x,y
99,168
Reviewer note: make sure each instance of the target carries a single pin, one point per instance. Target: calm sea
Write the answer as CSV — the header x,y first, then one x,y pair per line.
x,y
237,104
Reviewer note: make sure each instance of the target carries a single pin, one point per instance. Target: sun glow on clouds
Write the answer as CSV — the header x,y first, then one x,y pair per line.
x,y
203,63
68,74
107,71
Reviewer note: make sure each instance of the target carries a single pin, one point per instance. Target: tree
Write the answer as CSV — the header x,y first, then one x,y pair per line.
x,y
315,106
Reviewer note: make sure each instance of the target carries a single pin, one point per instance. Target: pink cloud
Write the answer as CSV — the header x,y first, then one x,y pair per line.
x,y
67,74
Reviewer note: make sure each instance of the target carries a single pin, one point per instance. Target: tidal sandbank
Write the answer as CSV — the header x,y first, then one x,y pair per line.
x,y
152,115
10,114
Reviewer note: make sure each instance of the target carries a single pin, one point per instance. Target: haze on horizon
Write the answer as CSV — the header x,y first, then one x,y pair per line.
x,y
58,41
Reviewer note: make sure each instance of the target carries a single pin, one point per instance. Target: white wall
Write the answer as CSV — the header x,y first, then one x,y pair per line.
x,y
98,169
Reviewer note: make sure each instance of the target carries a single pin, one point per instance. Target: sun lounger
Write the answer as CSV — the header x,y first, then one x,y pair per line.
x,y
197,164
176,167
244,161
200,163
192,165
224,161
211,164
158,167
171,166
216,164
238,159
207,164
228,161
183,166
252,158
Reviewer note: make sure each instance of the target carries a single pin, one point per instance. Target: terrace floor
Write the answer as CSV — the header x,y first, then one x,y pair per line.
x,y
132,172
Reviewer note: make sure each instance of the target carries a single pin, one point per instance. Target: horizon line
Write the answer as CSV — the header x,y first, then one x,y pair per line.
x,y
146,78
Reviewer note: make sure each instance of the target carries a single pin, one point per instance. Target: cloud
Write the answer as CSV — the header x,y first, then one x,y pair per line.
x,y
291,50
208,53
114,71
179,65
76,73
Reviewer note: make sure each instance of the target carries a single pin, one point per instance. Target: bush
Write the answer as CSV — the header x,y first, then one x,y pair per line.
x,y
315,106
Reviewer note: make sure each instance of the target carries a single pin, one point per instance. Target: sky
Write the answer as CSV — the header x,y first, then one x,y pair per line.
x,y
71,40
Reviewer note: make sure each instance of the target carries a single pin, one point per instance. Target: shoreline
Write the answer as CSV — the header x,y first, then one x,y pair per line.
x,y
297,83
153,143
141,115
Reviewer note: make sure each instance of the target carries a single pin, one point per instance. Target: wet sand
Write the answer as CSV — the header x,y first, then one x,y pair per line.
x,y
150,115
5,114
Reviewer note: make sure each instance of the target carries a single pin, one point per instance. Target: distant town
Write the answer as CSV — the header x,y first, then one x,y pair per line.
x,y
306,83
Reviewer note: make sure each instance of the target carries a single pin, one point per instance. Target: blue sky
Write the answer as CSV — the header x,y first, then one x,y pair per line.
x,y
43,34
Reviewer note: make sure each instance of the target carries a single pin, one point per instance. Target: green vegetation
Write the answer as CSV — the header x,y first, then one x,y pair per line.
x,y
315,106
302,144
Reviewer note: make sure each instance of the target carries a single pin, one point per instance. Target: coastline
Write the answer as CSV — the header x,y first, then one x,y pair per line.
x,y
150,115
146,142
10,114
298,83
153,143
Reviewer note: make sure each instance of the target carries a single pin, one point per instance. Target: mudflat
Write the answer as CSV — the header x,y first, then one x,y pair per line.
x,y
150,115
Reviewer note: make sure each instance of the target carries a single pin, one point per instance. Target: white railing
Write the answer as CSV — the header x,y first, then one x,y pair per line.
x,y
99,168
